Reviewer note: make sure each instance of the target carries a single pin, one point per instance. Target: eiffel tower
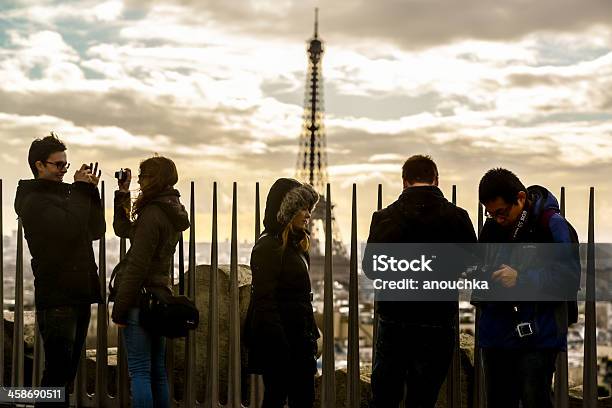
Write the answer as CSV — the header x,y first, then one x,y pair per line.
x,y
312,165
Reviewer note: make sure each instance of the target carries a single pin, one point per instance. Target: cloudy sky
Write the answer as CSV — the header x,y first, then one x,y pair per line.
x,y
218,85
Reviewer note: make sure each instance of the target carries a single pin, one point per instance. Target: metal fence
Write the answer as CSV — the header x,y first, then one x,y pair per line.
x,y
102,398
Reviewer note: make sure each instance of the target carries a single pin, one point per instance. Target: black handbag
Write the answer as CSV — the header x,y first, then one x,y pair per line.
x,y
166,315
161,313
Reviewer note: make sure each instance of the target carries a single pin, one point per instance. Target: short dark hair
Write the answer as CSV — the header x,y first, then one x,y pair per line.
x,y
41,149
500,183
419,169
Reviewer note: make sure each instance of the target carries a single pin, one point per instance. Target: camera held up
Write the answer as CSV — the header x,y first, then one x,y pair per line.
x,y
121,175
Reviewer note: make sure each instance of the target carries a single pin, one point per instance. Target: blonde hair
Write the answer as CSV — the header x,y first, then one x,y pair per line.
x,y
304,242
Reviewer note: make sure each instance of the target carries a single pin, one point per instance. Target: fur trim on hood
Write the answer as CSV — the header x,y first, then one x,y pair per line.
x,y
296,199
285,198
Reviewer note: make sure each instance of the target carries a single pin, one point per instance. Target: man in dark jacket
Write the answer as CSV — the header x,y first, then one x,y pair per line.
x,y
60,221
415,340
519,362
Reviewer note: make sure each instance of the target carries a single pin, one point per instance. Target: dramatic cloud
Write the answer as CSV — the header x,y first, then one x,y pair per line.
x,y
411,24
218,86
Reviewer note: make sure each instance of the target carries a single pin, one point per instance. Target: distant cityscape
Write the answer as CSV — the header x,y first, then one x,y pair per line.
x,y
203,255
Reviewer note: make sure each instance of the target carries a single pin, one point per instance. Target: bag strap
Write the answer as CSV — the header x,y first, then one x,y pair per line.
x,y
111,282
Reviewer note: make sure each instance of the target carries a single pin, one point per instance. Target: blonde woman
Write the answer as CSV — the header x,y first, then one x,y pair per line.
x,y
282,332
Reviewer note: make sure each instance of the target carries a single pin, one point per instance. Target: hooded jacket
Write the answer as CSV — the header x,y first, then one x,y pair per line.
x,y
421,214
497,323
153,237
60,221
281,324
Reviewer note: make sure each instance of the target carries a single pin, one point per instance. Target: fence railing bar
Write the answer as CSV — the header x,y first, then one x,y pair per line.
x,y
212,369
379,204
479,395
18,363
256,395
328,392
2,286
561,370
453,379
123,385
181,265
181,290
38,362
562,201
101,393
353,369
170,348
80,394
257,212
480,219
234,398
589,372
189,399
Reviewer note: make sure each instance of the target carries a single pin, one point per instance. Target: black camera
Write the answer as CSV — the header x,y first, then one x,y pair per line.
x,y
121,175
479,272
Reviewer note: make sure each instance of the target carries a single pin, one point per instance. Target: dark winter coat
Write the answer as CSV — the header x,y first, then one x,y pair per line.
x,y
420,215
280,325
153,237
497,324
60,221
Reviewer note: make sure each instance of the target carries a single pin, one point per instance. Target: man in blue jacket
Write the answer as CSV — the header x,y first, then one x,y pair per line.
x,y
520,340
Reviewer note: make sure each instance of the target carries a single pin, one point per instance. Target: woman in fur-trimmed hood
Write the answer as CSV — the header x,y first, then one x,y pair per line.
x,y
281,330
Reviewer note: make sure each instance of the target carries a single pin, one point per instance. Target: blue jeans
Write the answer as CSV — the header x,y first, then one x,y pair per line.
x,y
146,355
412,356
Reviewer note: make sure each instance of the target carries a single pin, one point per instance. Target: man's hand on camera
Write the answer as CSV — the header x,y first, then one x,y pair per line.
x,y
506,275
86,175
83,174
95,174
125,184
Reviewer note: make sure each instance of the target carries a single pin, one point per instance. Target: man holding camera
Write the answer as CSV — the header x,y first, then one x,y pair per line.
x,y
60,221
415,339
520,340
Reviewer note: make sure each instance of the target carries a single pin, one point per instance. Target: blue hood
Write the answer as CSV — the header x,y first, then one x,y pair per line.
x,y
541,200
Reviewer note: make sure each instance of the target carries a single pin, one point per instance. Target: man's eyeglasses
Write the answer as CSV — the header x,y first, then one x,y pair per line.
x,y
501,213
61,165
